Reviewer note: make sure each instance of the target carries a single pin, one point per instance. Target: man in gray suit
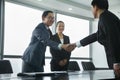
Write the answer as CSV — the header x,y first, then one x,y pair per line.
x,y
34,55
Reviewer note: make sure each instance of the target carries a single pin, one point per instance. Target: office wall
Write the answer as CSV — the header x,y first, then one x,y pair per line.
x,y
116,10
97,50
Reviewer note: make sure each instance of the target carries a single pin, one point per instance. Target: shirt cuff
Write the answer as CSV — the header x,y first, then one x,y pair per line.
x,y
78,44
60,46
116,63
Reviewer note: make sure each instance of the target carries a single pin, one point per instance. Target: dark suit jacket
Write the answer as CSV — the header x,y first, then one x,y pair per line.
x,y
35,52
58,55
108,35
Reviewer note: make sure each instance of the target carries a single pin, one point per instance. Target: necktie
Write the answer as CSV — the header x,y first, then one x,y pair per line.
x,y
50,33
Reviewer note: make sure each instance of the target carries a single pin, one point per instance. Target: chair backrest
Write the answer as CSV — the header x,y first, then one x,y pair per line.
x,y
88,66
5,67
73,66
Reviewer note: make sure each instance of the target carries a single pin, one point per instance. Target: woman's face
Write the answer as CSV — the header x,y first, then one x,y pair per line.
x,y
60,27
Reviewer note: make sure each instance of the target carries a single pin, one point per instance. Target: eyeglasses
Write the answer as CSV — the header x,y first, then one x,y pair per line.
x,y
51,18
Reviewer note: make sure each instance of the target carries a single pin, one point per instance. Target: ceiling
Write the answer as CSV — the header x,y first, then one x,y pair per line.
x,y
77,8
88,2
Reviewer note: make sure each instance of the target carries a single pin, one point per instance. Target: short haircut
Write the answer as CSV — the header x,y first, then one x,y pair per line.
x,y
45,13
102,4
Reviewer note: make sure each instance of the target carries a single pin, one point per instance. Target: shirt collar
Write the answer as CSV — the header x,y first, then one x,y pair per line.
x,y
46,27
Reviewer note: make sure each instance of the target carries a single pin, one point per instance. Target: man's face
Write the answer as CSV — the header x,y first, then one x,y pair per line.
x,y
49,19
94,11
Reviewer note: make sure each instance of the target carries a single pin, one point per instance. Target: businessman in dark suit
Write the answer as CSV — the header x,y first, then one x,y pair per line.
x,y
60,58
34,55
108,33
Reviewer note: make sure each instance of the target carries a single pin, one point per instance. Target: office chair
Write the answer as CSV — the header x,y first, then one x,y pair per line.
x,y
73,66
5,67
88,66
91,66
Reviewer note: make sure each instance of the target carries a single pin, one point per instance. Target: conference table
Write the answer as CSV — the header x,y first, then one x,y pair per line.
x,y
71,75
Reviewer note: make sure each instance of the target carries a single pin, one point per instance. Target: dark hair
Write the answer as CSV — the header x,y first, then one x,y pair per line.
x,y
45,13
102,4
59,22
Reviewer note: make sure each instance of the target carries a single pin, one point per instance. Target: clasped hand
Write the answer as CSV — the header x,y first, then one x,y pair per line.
x,y
69,47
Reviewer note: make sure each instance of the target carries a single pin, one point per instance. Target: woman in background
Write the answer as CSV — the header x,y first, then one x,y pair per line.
x,y
60,58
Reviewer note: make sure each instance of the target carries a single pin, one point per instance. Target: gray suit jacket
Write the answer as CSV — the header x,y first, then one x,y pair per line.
x,y
35,52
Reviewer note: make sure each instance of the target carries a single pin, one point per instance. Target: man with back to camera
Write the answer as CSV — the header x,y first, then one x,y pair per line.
x,y
108,34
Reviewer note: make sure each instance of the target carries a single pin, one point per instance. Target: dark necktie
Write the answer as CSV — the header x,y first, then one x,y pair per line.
x,y
50,33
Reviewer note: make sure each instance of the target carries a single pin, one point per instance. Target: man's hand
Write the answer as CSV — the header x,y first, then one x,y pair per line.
x,y
116,68
69,47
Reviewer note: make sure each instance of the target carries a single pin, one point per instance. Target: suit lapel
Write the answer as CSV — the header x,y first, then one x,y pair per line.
x,y
65,39
45,29
57,38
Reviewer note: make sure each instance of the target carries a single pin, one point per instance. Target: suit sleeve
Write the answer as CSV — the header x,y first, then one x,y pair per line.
x,y
44,37
68,40
89,39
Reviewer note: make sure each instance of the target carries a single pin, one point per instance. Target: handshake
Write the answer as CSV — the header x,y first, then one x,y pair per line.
x,y
69,47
